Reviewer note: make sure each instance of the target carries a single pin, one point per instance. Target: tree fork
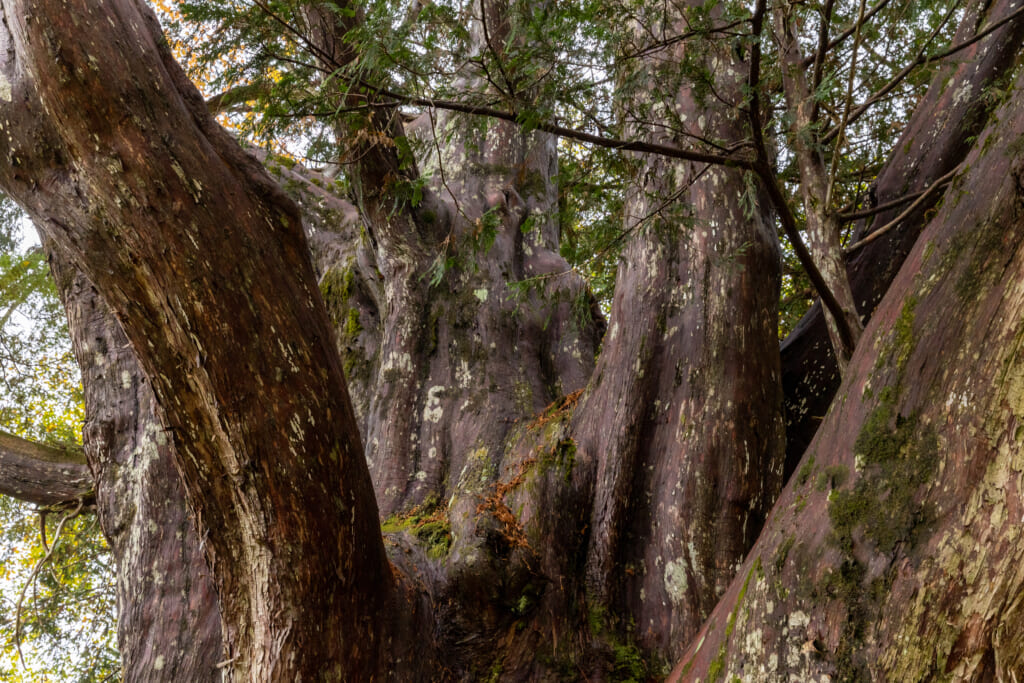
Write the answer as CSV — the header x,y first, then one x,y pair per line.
x,y
931,146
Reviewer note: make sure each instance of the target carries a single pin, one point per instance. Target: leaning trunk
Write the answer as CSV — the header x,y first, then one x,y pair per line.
x,y
219,303
909,494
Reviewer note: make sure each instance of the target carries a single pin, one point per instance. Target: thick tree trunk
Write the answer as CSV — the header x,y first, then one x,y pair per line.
x,y
451,357
205,264
909,494
682,420
263,496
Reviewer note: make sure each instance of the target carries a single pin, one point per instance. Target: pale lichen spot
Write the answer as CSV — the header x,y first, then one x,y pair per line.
x,y
962,94
5,89
158,663
398,361
463,375
432,412
480,294
676,584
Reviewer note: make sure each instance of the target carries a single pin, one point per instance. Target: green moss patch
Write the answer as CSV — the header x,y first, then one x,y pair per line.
x,y
428,523
897,462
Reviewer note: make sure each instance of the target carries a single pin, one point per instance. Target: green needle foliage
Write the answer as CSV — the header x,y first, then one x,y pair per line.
x,y
583,65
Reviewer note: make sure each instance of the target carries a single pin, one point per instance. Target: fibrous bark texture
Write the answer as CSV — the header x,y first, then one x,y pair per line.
x,y
169,626
203,260
908,495
545,507
682,420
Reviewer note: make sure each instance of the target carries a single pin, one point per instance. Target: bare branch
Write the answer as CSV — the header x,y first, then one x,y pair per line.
x,y
875,234
231,99
39,565
41,474
848,215
847,103
569,133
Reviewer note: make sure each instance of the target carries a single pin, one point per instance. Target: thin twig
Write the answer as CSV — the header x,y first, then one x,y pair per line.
x,y
440,167
848,216
847,103
35,572
494,53
875,234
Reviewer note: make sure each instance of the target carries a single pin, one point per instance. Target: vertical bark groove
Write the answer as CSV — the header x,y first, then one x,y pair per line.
x,y
909,493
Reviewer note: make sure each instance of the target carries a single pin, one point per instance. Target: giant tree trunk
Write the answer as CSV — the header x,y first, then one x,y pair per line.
x,y
683,417
571,504
894,553
203,260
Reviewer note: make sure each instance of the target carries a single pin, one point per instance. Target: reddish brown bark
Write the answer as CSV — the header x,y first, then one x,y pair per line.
x,y
205,264
169,626
893,554
682,421
634,500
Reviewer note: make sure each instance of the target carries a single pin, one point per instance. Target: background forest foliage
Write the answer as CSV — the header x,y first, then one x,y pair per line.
x,y
572,63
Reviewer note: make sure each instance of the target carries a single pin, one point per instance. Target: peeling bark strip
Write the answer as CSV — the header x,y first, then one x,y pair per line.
x,y
910,494
202,258
40,474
